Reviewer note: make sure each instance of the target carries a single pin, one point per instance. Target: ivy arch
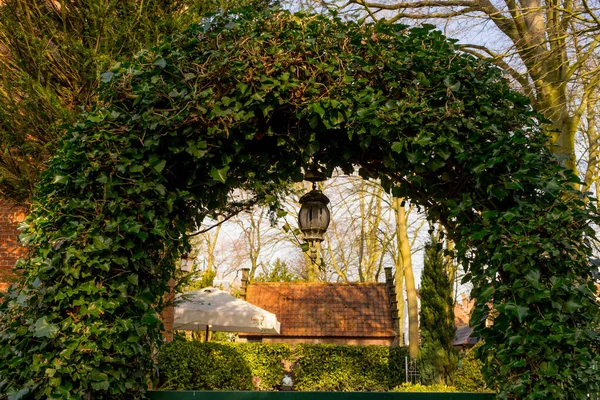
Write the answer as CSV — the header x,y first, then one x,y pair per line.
x,y
249,100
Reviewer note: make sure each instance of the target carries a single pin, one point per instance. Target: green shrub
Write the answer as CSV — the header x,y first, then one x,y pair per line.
x,y
468,376
397,366
348,368
193,365
265,361
417,387
190,365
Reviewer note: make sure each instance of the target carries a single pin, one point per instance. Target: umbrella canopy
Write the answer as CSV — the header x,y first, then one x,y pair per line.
x,y
219,311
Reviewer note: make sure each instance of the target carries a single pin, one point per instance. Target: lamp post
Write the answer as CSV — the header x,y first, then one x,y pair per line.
x,y
314,216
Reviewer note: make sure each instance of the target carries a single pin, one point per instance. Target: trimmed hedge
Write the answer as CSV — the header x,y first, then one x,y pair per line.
x,y
192,365
349,368
418,388
189,365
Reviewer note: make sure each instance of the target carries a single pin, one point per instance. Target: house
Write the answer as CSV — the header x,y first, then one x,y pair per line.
x,y
462,310
10,248
323,312
463,338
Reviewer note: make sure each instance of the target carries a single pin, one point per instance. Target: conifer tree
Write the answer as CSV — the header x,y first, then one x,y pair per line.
x,y
437,358
52,57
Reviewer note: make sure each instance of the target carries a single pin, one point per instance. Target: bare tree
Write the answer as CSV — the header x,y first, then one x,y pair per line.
x,y
546,47
253,239
405,273
370,229
356,239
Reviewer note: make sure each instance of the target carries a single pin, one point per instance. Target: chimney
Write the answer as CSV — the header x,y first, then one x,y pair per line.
x,y
391,289
245,276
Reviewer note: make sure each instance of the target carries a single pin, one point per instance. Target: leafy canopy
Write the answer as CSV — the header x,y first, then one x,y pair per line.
x,y
248,100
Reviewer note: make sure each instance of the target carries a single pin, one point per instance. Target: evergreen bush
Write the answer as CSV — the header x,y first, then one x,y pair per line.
x,y
188,365
437,358
468,376
191,365
349,368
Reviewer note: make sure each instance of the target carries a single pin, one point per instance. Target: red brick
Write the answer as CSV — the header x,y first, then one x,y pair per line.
x,y
10,250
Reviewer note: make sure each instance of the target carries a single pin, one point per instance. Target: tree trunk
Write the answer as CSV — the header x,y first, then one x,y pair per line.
x,y
593,140
405,264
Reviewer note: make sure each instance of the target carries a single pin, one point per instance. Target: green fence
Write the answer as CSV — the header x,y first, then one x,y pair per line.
x,y
202,395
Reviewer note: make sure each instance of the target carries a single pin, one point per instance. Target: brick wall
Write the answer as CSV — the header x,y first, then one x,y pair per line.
x,y
168,314
358,341
10,249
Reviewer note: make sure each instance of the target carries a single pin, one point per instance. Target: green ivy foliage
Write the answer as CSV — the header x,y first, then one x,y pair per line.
x,y
248,100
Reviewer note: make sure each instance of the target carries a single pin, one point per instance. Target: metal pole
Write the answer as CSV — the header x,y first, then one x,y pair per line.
x,y
594,396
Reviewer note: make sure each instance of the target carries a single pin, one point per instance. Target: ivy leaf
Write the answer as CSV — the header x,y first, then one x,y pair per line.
x,y
312,148
159,166
103,385
452,86
150,317
61,179
397,147
12,395
533,276
160,63
219,174
107,76
572,305
133,279
45,329
318,109
521,312
486,293
478,235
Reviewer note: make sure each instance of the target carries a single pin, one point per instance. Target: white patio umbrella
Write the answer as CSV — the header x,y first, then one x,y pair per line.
x,y
213,309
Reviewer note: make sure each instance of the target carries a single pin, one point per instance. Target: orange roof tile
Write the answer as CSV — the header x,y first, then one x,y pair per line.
x,y
326,309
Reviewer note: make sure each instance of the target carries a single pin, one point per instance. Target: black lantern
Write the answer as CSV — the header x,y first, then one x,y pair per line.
x,y
314,216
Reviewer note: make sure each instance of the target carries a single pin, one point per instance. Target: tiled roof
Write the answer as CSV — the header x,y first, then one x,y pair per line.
x,y
326,309
463,337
